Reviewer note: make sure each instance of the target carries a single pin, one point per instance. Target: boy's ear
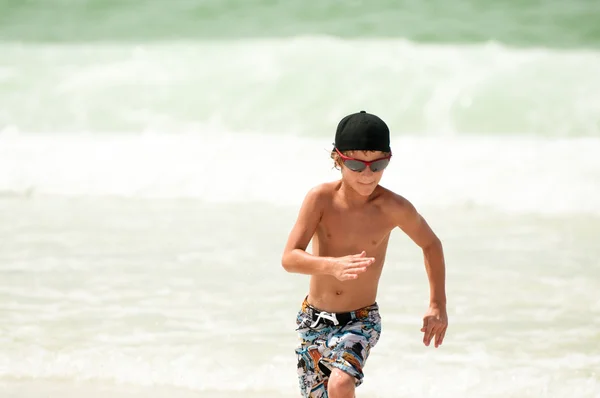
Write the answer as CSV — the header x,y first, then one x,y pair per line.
x,y
337,161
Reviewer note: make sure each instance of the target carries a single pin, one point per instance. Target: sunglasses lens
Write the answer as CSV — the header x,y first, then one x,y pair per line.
x,y
379,165
355,165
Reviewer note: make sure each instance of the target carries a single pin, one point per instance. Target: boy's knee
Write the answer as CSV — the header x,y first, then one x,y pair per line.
x,y
340,385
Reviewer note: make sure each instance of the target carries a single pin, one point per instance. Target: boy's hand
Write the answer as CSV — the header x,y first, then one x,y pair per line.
x,y
435,323
348,267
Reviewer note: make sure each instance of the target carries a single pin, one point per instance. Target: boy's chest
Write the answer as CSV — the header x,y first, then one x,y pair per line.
x,y
354,227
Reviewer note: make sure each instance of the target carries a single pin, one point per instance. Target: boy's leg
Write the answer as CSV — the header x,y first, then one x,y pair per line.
x,y
312,381
348,350
339,353
341,384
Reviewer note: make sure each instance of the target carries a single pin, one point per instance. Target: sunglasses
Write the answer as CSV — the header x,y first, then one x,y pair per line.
x,y
360,165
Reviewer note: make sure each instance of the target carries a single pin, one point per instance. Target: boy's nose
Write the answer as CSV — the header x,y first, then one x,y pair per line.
x,y
367,171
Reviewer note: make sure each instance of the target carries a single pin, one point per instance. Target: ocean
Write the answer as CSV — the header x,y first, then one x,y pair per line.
x,y
153,157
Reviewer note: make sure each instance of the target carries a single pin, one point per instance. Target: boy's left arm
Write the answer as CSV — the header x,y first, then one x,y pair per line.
x,y
435,321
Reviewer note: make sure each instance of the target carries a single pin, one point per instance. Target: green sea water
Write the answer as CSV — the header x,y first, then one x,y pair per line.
x,y
550,23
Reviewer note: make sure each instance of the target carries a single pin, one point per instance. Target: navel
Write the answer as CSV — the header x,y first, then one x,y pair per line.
x,y
338,292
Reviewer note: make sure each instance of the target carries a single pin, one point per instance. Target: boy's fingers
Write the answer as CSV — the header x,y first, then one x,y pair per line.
x,y
363,259
439,337
429,329
427,337
356,270
361,265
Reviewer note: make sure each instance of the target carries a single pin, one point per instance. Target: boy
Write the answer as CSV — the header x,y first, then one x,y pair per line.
x,y
349,222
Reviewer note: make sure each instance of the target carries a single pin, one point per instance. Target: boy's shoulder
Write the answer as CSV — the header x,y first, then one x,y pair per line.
x,y
384,196
323,190
392,198
318,195
397,206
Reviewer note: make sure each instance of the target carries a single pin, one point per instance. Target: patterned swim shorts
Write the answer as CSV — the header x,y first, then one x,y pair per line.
x,y
333,340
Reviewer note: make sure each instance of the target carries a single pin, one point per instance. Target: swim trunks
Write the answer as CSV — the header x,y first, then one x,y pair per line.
x,y
333,340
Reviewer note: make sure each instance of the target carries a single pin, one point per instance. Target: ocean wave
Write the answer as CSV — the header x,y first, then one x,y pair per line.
x,y
299,86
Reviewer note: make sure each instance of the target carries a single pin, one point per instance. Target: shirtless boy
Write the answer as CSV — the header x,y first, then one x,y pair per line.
x,y
349,222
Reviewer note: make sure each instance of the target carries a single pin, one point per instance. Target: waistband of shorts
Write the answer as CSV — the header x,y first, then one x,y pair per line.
x,y
361,313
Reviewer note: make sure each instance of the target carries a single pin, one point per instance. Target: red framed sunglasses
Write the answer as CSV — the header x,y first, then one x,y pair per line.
x,y
360,165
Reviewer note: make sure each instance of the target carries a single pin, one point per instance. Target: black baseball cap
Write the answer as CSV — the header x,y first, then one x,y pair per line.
x,y
362,131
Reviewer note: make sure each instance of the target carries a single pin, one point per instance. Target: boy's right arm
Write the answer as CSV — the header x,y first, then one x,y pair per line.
x,y
295,258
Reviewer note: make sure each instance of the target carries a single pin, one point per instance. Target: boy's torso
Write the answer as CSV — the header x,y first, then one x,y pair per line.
x,y
346,230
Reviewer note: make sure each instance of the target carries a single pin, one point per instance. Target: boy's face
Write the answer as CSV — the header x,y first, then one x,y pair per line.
x,y
365,181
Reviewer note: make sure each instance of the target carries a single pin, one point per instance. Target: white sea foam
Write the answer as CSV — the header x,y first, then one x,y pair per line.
x,y
514,175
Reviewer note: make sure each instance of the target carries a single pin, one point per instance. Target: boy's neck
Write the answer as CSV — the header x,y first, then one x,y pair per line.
x,y
353,198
